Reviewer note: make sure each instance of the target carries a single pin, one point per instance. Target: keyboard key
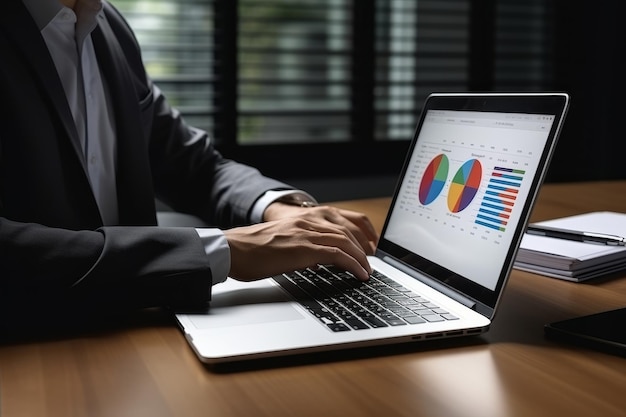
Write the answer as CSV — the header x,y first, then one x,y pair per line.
x,y
414,319
432,317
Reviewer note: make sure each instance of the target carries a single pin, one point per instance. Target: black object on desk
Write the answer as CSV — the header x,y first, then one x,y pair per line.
x,y
604,331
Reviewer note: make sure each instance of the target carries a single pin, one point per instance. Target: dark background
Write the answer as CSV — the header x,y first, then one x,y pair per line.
x,y
590,64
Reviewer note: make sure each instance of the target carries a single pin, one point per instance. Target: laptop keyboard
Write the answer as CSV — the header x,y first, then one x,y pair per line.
x,y
343,303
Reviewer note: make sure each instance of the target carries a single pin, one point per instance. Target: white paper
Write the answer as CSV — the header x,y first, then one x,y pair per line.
x,y
547,255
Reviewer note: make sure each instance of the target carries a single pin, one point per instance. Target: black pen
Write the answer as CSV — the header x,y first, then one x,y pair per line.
x,y
576,235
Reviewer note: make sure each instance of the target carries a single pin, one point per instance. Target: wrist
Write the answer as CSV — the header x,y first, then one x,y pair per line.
x,y
287,205
280,210
298,199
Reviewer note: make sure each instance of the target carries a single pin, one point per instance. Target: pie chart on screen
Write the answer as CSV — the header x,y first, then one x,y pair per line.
x,y
434,179
464,185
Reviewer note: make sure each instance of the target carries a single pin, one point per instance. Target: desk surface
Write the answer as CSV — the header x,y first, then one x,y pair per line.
x,y
147,369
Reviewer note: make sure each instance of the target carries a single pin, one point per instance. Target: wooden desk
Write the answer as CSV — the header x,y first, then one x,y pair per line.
x,y
148,369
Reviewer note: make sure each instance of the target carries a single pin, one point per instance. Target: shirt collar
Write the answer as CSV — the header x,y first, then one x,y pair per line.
x,y
44,11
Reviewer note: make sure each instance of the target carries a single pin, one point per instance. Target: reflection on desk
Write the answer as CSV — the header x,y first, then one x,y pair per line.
x,y
145,368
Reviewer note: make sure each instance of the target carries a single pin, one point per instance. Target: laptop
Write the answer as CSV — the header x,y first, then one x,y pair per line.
x,y
457,216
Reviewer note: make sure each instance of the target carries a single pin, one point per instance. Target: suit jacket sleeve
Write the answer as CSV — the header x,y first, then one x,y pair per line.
x,y
58,274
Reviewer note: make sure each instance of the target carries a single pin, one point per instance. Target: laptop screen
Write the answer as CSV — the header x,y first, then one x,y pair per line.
x,y
466,187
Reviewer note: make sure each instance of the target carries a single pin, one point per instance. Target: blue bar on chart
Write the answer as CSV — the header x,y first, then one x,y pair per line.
x,y
499,198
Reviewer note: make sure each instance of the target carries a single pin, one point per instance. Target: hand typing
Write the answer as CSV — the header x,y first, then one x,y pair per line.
x,y
294,237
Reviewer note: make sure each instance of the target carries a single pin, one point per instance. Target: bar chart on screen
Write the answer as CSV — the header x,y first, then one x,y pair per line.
x,y
499,198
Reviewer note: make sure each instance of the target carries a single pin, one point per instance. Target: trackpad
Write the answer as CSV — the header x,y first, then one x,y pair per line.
x,y
236,304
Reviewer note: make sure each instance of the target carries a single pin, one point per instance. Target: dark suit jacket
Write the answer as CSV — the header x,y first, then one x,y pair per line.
x,y
53,247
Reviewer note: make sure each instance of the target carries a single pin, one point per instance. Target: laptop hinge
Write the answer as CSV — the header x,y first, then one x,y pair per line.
x,y
431,282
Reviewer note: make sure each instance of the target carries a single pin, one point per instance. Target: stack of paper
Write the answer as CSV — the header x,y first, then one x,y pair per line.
x,y
570,260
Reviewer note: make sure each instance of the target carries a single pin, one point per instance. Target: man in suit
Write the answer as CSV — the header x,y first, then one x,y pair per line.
x,y
86,145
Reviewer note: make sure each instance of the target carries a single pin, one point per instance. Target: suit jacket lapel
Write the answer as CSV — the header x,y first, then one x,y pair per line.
x,y
22,29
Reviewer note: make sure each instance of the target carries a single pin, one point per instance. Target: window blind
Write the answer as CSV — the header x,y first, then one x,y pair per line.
x,y
524,45
176,38
294,66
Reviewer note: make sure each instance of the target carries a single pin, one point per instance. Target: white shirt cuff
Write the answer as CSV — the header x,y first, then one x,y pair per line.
x,y
256,215
218,251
